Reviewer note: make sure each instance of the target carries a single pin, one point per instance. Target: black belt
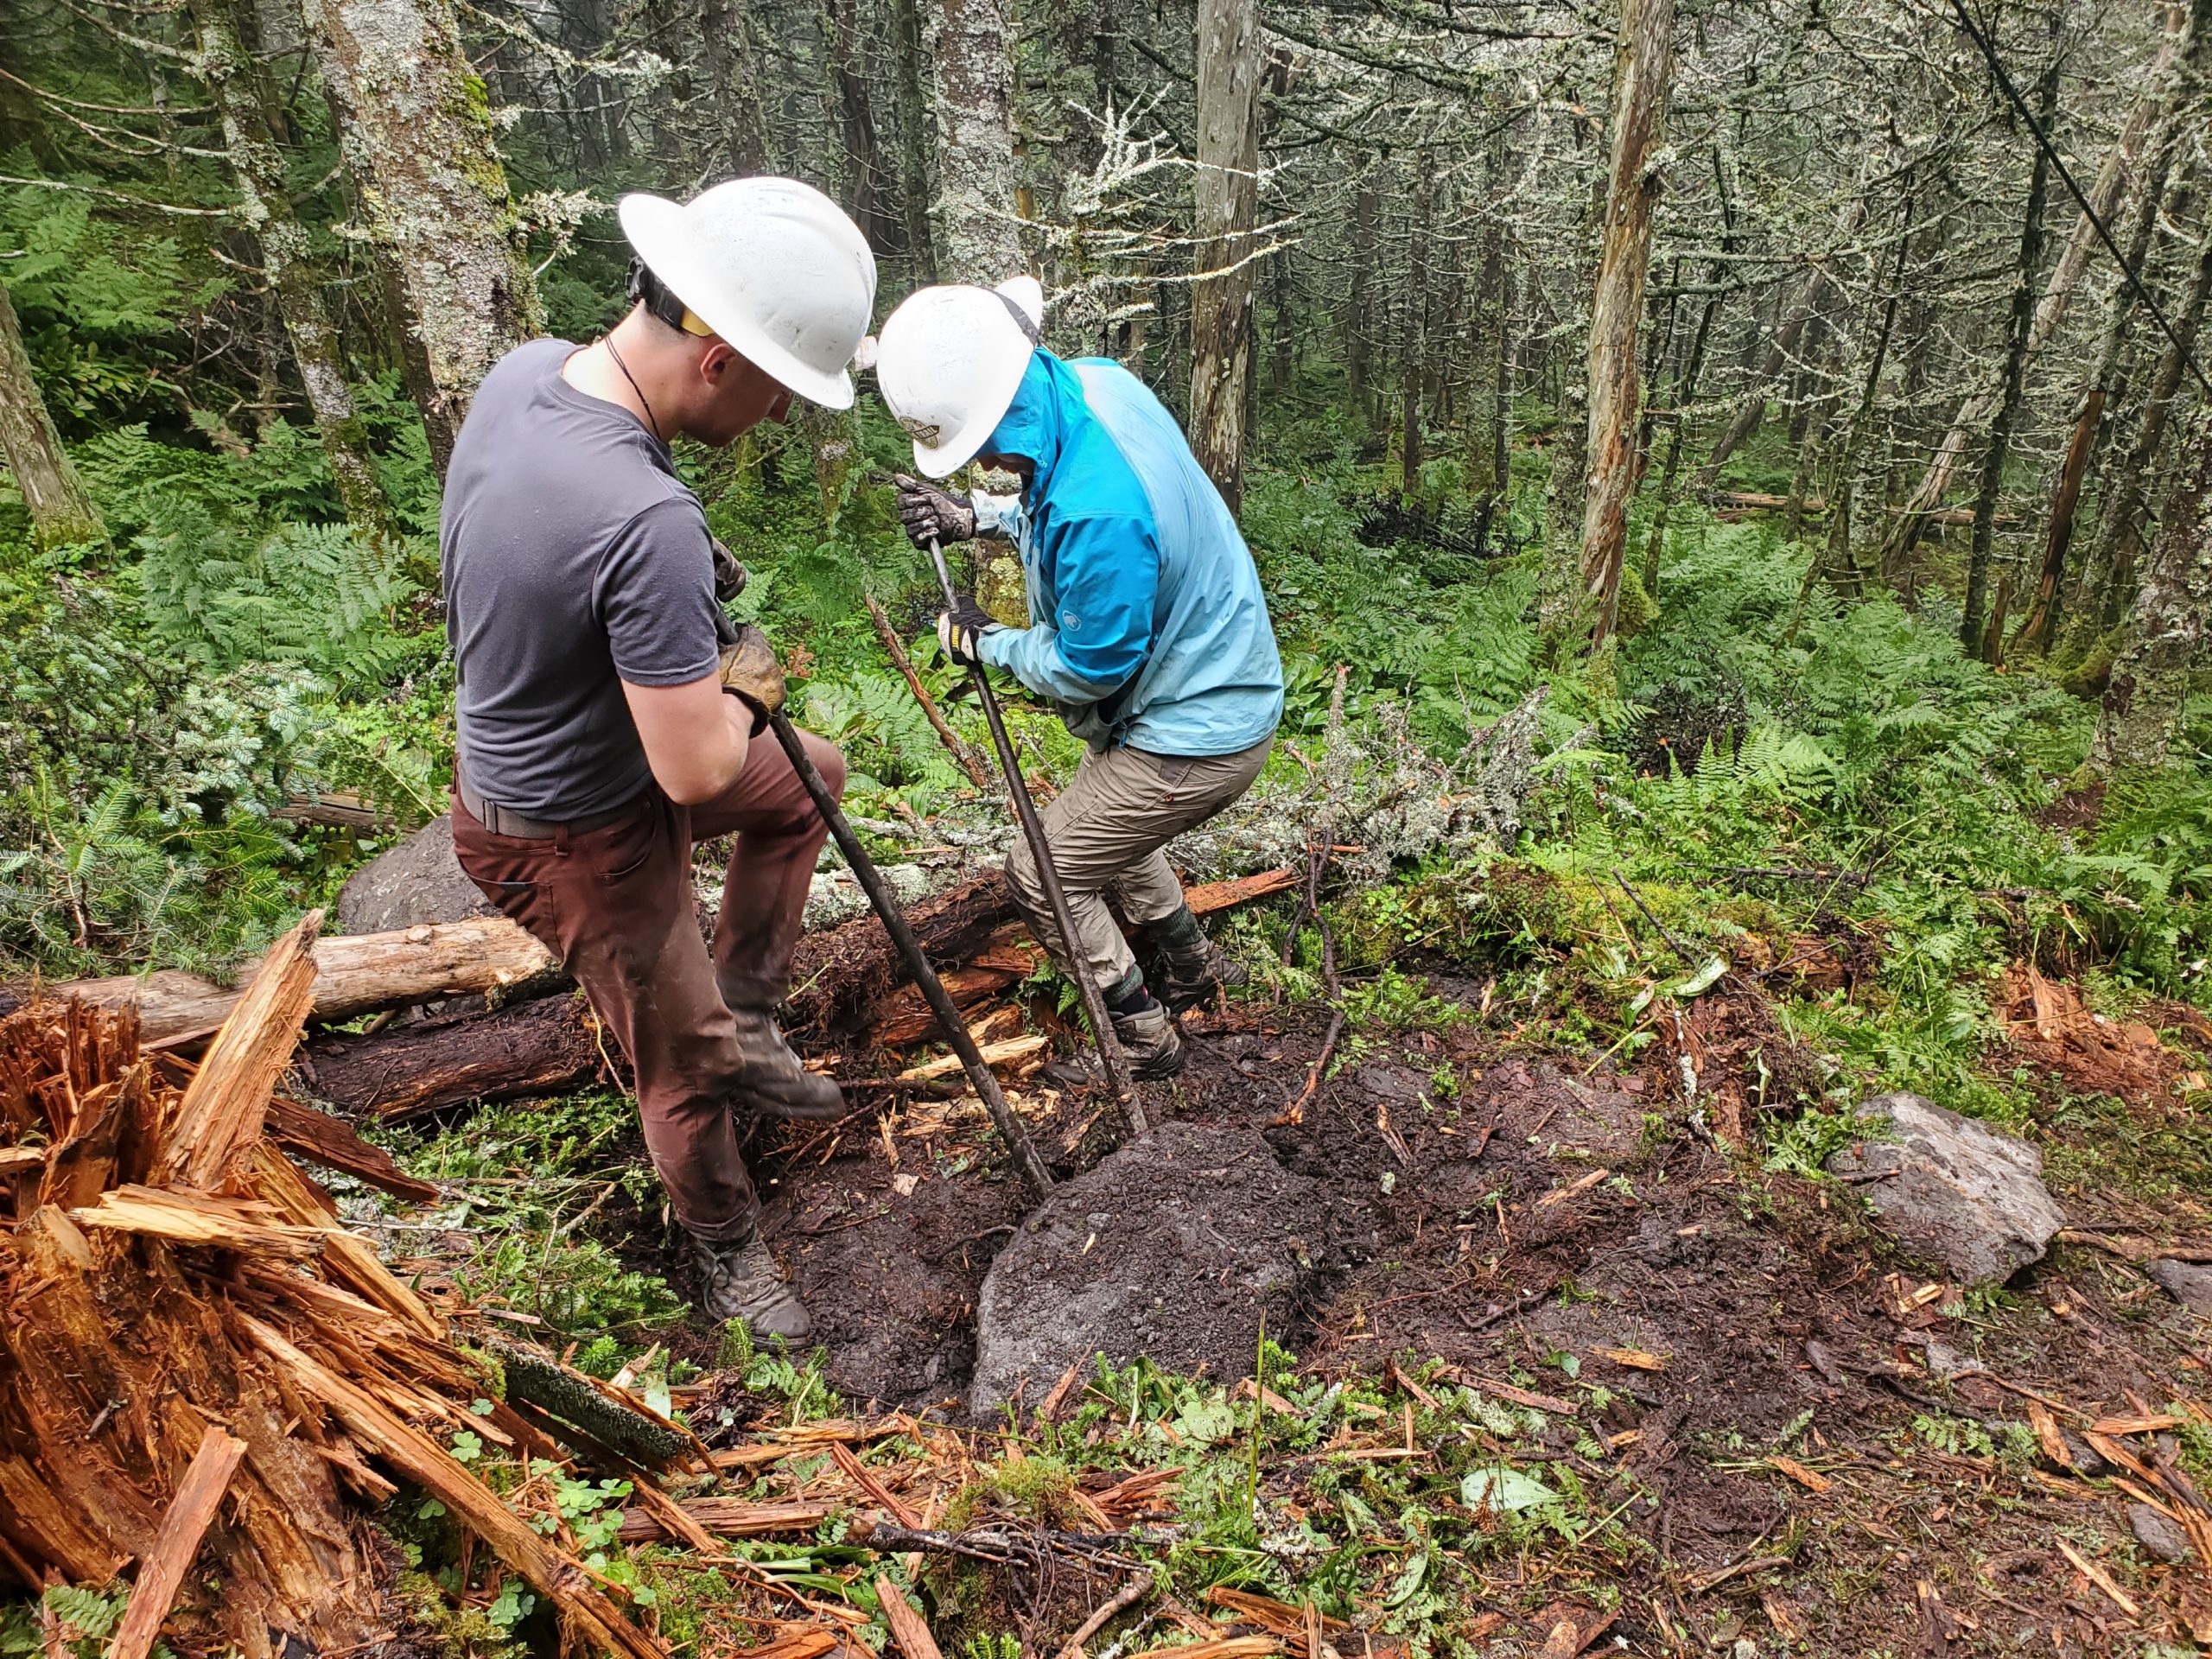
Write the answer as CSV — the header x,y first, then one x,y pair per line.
x,y
504,821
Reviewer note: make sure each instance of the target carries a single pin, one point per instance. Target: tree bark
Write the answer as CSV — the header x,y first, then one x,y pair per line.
x,y
914,138
857,124
1227,196
975,233
544,1046
734,65
2166,634
416,131
236,86
1973,625
1642,66
2112,179
60,509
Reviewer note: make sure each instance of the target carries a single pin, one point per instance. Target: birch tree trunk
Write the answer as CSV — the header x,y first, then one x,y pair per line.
x,y
60,511
235,86
1640,67
1228,200
734,66
976,231
2166,635
416,131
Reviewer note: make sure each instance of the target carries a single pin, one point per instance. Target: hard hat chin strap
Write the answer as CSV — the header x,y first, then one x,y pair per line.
x,y
1022,320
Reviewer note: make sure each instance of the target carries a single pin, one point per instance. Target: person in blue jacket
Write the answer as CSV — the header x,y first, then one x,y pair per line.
x,y
1146,626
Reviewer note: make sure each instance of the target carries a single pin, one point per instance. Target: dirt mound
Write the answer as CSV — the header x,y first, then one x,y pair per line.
x,y
1173,1249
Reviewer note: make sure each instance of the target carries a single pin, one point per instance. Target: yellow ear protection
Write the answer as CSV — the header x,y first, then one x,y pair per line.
x,y
661,300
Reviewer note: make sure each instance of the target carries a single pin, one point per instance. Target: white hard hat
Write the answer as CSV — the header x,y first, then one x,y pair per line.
x,y
950,361
774,267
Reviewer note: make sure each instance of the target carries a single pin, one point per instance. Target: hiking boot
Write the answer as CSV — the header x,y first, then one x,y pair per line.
x,y
1188,968
1149,1039
741,1282
771,1078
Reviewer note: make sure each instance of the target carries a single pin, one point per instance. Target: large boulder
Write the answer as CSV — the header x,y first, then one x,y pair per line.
x,y
1171,1249
411,882
1952,1191
2189,1283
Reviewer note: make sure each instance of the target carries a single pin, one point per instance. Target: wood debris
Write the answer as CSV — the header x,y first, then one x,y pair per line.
x,y
200,1361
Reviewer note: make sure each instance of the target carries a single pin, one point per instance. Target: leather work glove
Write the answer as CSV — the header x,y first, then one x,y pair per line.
x,y
960,629
730,574
751,673
929,513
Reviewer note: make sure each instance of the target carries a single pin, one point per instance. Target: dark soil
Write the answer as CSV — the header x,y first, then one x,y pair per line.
x,y
1535,1224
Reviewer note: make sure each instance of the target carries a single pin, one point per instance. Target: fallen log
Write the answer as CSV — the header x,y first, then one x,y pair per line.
x,y
1813,506
354,974
544,1046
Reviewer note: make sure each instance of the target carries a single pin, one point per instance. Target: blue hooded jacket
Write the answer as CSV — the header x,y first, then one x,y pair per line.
x,y
1146,622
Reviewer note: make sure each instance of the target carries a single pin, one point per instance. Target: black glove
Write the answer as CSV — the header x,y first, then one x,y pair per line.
x,y
931,514
959,629
730,574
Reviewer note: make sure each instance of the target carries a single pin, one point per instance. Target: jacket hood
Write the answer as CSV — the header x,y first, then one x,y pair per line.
x,y
1041,422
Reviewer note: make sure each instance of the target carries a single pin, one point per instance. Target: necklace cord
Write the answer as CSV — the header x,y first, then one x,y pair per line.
x,y
652,424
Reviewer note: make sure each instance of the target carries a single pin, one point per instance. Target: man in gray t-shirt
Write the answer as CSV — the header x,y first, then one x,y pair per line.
x,y
605,726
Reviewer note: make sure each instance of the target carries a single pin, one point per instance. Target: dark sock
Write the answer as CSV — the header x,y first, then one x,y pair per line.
x,y
1177,935
1129,995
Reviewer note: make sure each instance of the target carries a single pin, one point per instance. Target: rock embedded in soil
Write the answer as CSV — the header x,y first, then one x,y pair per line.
x,y
1952,1191
414,882
1171,1250
2160,1536
2189,1283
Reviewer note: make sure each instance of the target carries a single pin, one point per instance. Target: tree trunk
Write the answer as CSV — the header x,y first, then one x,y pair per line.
x,y
863,194
734,66
235,86
2106,579
914,138
1840,567
1228,199
2104,196
1750,408
2166,634
2096,396
1411,335
1485,480
1973,625
1641,68
1686,383
1359,357
60,510
976,231
416,135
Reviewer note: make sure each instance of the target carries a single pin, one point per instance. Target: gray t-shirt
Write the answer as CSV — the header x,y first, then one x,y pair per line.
x,y
574,559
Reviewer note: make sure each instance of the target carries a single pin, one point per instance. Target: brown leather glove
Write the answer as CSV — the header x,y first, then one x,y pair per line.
x,y
730,574
751,673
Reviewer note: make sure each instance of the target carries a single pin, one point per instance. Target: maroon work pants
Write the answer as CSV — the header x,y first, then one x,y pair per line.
x,y
615,904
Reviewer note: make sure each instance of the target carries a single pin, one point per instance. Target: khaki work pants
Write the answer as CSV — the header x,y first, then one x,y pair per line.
x,y
1106,830
617,907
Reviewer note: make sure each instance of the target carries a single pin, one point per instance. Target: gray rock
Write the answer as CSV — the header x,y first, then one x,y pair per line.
x,y
1171,1250
416,882
2159,1536
1951,1190
2190,1283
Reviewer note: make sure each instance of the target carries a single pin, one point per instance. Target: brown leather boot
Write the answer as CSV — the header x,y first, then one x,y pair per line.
x,y
770,1078
741,1282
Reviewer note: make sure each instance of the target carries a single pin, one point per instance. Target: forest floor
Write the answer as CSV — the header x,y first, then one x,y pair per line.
x,y
1566,1371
